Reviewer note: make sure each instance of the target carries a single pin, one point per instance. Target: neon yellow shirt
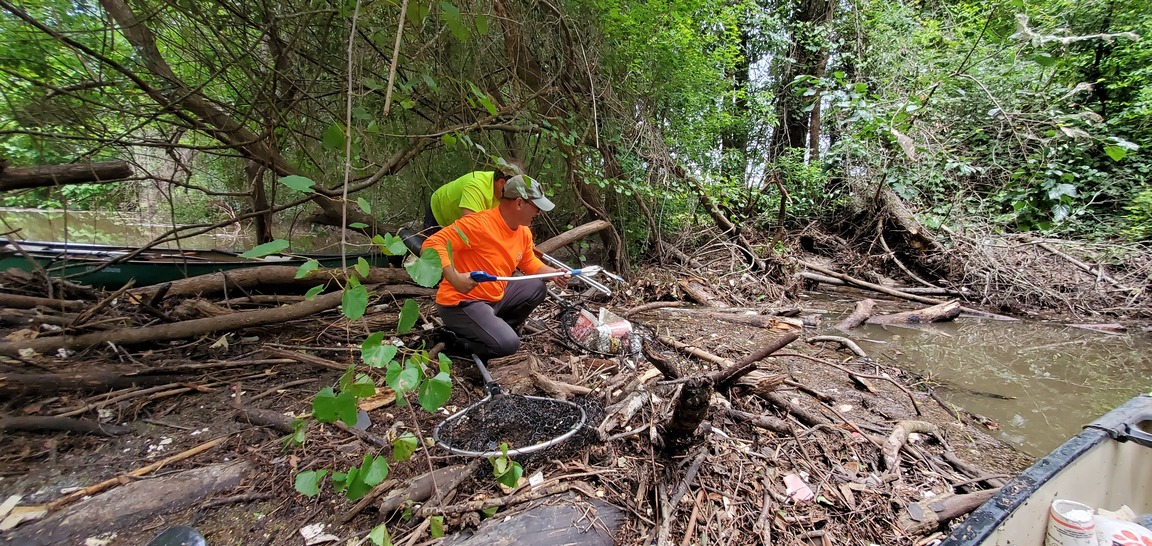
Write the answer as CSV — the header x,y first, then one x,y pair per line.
x,y
472,191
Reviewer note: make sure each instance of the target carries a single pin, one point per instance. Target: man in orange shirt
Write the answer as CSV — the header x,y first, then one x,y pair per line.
x,y
497,241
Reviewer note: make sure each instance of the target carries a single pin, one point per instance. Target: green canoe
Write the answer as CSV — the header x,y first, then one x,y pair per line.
x,y
107,266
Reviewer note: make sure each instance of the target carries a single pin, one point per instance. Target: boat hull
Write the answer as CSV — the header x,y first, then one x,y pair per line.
x,y
1107,465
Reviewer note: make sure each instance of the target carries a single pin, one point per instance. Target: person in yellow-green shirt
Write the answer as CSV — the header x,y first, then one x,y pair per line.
x,y
473,192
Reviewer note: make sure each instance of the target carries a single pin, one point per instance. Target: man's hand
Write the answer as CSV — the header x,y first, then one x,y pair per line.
x,y
461,282
560,281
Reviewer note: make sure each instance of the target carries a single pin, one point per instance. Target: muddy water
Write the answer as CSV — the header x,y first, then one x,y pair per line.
x,y
130,229
1039,382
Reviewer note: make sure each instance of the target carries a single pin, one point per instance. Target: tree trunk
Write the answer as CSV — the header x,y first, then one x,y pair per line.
x,y
937,313
62,175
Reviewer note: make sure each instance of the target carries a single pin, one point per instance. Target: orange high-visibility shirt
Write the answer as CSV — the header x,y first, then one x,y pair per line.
x,y
492,247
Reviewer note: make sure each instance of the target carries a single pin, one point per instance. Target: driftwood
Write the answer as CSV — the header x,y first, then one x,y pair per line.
x,y
760,383
131,503
84,381
177,330
689,410
562,521
860,314
700,293
15,301
649,306
766,422
265,418
937,313
65,424
422,487
60,175
143,471
920,518
268,275
572,235
899,437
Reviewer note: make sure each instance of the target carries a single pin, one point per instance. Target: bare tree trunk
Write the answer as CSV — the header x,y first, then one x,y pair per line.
x,y
60,175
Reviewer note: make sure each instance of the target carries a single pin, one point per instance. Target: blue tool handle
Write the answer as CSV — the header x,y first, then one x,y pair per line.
x,y
576,272
481,276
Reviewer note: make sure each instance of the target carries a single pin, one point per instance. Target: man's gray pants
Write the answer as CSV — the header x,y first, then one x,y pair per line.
x,y
488,329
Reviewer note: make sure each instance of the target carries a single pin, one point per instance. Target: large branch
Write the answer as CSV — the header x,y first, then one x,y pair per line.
x,y
264,275
177,330
60,175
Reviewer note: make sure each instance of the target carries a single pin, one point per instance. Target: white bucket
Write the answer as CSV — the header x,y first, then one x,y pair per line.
x,y
1070,523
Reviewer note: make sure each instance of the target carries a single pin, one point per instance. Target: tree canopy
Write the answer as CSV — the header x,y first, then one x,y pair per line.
x,y
763,113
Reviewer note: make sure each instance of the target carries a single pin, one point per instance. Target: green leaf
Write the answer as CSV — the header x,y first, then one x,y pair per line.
x,y
279,245
448,140
308,482
445,362
407,379
313,292
426,270
512,474
417,11
408,316
362,267
345,405
1043,58
324,405
490,511
1115,152
390,244
298,183
481,22
375,352
354,302
357,225
435,392
375,471
484,99
436,526
364,205
450,14
306,268
299,432
379,536
361,114
333,137
404,446
364,387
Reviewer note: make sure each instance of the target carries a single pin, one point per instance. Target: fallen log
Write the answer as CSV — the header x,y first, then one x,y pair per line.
x,y
860,314
566,521
271,275
65,424
134,502
921,518
84,381
766,422
15,301
700,293
899,437
20,178
572,235
176,330
421,488
937,313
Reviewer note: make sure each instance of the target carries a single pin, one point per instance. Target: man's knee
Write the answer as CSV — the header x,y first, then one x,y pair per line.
x,y
537,291
505,345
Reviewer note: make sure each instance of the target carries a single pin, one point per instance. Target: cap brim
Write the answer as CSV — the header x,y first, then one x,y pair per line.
x,y
543,204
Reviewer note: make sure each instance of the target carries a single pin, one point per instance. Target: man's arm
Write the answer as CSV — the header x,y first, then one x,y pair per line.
x,y
460,281
560,281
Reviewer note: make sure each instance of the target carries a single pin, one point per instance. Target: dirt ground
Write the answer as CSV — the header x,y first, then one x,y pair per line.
x,y
731,482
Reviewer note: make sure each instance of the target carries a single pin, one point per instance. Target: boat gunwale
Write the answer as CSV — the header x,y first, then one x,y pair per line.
x,y
986,519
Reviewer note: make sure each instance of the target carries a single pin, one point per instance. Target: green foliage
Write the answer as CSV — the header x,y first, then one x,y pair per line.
x,y
273,247
1139,216
379,534
426,270
506,471
308,482
358,481
408,316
